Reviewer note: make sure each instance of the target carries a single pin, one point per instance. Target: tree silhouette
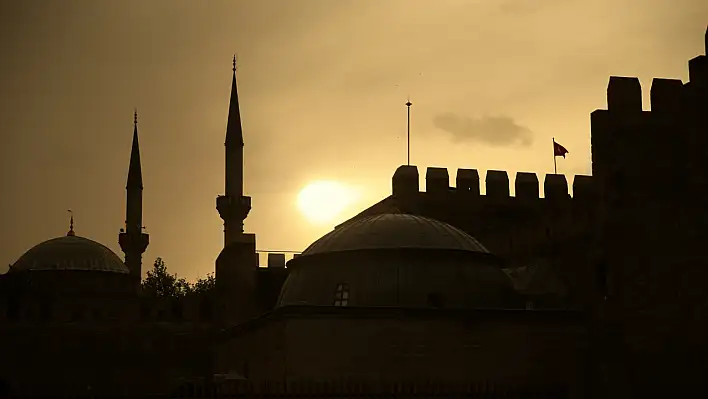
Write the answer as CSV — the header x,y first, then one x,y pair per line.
x,y
160,283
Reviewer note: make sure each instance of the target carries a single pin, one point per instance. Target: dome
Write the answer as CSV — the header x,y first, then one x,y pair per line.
x,y
397,260
395,231
70,253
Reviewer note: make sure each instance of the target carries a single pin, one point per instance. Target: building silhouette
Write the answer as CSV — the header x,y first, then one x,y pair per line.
x,y
442,292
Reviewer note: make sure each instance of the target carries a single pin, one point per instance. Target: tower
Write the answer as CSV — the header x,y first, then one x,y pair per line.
x,y
237,264
133,241
233,206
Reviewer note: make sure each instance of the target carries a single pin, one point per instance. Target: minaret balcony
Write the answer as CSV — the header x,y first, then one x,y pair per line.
x,y
233,208
131,242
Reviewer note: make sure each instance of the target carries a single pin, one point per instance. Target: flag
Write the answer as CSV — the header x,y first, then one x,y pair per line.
x,y
559,150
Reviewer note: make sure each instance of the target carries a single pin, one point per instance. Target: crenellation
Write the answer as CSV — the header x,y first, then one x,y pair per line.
x,y
555,187
666,95
468,181
624,94
276,260
698,70
437,180
584,187
497,183
526,185
405,180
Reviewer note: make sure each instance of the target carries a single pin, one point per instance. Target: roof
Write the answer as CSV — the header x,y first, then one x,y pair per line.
x,y
70,253
394,230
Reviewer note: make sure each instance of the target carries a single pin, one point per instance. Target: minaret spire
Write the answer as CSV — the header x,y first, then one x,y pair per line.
x,y
233,206
133,241
234,133
135,174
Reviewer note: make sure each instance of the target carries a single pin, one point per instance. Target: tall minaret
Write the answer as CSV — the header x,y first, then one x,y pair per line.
x,y
233,206
133,241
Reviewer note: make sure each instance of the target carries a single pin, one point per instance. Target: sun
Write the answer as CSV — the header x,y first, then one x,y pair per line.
x,y
322,201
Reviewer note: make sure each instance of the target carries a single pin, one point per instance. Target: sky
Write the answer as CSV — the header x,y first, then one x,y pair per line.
x,y
323,86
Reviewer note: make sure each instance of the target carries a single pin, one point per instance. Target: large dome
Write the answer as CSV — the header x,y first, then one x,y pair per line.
x,y
395,230
70,253
397,260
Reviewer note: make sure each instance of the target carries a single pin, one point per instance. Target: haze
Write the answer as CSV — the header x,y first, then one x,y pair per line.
x,y
322,87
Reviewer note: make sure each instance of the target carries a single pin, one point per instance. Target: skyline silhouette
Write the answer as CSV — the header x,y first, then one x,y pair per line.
x,y
320,85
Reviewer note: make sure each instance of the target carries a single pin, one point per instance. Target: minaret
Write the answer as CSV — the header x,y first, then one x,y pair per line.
x,y
233,206
133,241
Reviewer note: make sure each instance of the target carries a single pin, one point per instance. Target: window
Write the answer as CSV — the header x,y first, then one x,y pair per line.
x,y
529,305
341,295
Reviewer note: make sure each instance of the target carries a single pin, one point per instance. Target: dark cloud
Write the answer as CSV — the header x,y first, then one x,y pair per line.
x,y
492,130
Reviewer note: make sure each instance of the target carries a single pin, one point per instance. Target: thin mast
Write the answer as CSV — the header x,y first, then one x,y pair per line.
x,y
408,140
555,168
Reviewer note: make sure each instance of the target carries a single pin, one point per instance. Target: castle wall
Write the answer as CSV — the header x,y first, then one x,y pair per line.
x,y
368,348
365,346
540,221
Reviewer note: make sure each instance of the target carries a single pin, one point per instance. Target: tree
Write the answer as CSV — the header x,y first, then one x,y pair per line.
x,y
204,285
160,283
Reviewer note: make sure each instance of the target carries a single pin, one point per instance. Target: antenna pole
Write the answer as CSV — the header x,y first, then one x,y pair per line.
x,y
408,140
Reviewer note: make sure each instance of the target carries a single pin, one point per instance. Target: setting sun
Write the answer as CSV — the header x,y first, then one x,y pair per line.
x,y
323,201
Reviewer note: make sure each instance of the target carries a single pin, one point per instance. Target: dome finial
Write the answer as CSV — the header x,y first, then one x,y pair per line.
x,y
135,116
234,64
71,225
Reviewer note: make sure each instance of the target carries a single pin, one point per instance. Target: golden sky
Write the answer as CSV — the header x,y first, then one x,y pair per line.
x,y
322,85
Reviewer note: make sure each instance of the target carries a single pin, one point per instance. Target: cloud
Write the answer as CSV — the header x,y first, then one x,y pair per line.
x,y
492,130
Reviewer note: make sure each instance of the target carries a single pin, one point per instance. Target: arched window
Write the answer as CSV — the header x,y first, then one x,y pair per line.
x,y
341,295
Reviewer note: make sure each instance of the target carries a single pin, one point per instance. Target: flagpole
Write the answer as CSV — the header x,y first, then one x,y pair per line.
x,y
408,140
555,168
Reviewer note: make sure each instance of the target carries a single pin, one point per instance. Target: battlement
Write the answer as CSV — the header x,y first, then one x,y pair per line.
x,y
624,93
497,184
275,259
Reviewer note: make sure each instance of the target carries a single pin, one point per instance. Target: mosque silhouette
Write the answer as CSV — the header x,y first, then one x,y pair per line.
x,y
443,292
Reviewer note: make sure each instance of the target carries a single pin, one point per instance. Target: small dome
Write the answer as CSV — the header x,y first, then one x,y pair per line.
x,y
70,253
395,230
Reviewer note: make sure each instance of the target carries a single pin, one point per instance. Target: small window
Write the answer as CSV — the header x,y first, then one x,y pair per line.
x,y
529,305
341,295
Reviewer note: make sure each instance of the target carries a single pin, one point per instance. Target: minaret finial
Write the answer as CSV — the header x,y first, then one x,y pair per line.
x,y
234,64
71,225
135,116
